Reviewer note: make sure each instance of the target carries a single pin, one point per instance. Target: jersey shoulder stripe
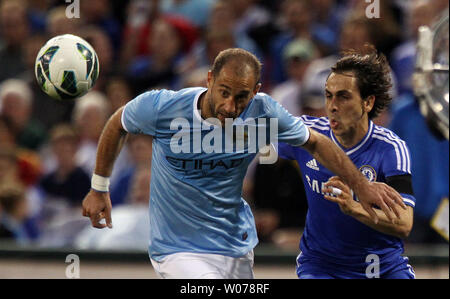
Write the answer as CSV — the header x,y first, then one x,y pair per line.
x,y
320,124
400,148
402,144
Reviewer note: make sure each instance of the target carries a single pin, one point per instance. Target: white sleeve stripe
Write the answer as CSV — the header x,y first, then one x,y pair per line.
x,y
405,148
318,127
401,143
401,146
316,121
409,201
122,121
397,152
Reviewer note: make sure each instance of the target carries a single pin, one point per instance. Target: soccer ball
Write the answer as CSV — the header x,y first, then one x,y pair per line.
x,y
66,67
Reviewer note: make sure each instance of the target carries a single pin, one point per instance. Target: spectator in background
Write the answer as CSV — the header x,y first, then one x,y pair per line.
x,y
249,15
37,15
354,34
118,92
312,103
58,23
16,102
385,31
137,29
22,167
9,171
168,46
328,18
205,51
140,148
419,13
297,56
68,182
195,11
98,13
89,117
297,18
14,30
19,164
224,18
13,213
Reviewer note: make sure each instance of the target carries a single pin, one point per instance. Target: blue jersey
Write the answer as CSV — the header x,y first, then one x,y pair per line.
x,y
195,192
335,240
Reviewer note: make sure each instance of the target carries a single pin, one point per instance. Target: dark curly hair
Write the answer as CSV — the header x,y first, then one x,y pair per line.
x,y
373,75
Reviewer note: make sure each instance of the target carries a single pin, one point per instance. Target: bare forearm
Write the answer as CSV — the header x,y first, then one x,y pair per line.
x,y
400,228
334,159
110,144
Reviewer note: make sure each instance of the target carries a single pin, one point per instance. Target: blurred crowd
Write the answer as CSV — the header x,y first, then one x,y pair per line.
x,y
48,147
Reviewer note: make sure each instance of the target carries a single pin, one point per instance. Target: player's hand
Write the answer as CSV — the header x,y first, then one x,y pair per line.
x,y
97,206
383,196
345,200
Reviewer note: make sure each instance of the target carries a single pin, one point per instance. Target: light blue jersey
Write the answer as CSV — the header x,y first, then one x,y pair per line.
x,y
195,194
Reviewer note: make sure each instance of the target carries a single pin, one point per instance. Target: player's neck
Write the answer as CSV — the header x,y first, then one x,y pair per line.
x,y
354,135
203,105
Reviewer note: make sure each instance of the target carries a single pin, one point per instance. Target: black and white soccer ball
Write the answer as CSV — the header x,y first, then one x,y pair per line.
x,y
66,67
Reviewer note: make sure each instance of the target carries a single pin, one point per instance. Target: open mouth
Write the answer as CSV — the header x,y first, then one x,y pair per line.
x,y
334,124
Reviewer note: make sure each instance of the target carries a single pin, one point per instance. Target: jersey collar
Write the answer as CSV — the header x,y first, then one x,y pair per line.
x,y
358,146
197,112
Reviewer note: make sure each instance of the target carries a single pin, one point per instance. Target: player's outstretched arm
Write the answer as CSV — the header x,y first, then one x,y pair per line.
x,y
97,203
400,228
333,158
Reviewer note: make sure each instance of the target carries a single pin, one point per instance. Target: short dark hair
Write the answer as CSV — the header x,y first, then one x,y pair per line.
x,y
373,75
243,57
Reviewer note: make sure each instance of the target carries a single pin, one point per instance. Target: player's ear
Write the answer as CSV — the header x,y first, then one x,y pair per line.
x,y
257,88
209,79
369,103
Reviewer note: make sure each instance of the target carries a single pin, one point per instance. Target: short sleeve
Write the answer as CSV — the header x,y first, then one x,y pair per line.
x,y
140,114
291,129
397,162
396,158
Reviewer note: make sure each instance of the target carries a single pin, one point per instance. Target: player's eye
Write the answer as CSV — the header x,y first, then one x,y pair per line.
x,y
225,94
240,98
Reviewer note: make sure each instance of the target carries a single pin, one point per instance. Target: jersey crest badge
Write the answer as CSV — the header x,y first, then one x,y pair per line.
x,y
369,172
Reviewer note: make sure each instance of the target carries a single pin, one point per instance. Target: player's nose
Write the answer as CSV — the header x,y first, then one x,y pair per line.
x,y
332,105
230,107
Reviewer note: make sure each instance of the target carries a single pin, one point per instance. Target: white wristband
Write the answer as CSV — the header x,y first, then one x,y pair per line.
x,y
99,183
